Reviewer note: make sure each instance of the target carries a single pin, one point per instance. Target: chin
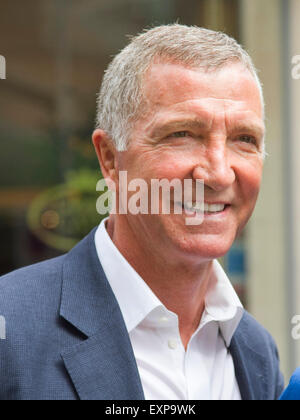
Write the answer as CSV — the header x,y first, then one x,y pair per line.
x,y
205,248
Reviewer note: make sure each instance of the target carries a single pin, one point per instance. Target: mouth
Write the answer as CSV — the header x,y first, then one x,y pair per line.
x,y
206,208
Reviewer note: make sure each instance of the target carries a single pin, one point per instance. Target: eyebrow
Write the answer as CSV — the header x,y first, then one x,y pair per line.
x,y
255,128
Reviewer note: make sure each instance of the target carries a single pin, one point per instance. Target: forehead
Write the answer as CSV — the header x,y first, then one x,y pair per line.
x,y
174,87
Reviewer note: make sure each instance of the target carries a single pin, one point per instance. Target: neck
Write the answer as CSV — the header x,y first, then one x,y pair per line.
x,y
180,285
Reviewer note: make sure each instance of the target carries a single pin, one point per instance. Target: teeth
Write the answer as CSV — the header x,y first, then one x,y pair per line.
x,y
208,208
189,206
212,208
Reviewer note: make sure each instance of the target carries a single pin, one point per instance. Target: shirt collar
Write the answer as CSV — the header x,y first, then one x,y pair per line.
x,y
135,298
137,301
222,304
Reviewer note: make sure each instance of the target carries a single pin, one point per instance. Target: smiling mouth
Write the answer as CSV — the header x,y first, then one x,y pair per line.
x,y
206,208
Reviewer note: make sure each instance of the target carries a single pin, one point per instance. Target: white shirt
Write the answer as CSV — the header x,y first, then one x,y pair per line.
x,y
205,370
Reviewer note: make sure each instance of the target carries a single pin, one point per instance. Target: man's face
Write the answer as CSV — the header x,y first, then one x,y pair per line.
x,y
206,126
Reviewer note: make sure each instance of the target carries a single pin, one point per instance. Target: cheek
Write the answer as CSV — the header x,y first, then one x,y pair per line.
x,y
248,193
163,164
250,180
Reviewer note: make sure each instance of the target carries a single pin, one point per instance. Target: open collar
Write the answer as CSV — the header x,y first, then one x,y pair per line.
x,y
134,296
137,301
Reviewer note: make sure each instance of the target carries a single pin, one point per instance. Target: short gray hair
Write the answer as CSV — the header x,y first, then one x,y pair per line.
x,y
121,98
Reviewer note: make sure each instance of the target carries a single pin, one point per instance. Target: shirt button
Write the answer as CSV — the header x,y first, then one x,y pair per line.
x,y
172,344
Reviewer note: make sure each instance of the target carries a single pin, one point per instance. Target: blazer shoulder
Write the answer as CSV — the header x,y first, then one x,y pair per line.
x,y
260,341
257,335
29,284
258,351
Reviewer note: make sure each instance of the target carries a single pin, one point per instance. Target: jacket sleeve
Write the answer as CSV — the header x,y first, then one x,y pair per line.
x,y
292,392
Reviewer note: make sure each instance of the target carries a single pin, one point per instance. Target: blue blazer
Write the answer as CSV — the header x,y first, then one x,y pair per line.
x,y
66,338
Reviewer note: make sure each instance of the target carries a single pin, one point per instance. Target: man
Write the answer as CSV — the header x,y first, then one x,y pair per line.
x,y
141,308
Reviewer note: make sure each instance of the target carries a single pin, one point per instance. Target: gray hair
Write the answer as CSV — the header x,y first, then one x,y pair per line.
x,y
120,101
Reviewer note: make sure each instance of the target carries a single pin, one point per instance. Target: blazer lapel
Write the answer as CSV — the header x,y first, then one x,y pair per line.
x,y
250,366
103,366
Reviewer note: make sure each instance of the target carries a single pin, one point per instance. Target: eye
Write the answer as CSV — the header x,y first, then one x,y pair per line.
x,y
247,139
179,134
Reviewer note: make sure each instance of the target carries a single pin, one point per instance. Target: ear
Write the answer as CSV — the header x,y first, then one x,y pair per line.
x,y
107,154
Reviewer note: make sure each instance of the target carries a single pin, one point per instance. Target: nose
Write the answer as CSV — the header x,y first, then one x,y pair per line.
x,y
215,167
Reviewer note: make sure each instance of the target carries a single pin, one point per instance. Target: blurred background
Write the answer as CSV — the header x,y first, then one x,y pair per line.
x,y
56,52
